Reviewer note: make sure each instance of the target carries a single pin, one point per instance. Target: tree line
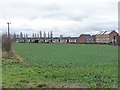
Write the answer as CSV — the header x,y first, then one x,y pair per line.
x,y
35,35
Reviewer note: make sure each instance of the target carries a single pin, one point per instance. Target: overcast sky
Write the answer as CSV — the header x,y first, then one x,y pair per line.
x,y
66,17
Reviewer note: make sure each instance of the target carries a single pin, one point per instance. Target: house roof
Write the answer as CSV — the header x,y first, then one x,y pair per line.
x,y
108,32
101,32
56,38
93,35
105,32
73,37
86,35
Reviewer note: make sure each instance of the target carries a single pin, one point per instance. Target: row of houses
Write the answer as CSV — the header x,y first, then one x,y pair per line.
x,y
103,37
48,40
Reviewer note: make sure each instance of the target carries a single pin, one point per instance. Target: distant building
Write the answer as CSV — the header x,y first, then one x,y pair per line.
x,y
47,40
73,39
107,37
116,40
94,38
103,37
56,40
85,38
64,40
68,39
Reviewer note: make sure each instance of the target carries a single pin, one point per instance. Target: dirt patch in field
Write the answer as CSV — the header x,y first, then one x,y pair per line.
x,y
41,84
14,58
59,85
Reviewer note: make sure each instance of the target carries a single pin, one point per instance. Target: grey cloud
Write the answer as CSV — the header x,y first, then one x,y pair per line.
x,y
86,12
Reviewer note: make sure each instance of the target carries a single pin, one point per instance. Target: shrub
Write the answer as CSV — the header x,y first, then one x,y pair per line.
x,y
7,45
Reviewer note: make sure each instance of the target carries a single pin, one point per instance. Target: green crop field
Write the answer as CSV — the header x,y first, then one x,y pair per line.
x,y
62,65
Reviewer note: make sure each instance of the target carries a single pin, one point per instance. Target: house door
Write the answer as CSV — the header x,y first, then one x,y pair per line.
x,y
67,40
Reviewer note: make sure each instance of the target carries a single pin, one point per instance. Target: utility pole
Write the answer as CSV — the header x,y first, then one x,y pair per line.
x,y
8,29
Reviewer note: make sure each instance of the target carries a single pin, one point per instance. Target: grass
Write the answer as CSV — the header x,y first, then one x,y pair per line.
x,y
65,64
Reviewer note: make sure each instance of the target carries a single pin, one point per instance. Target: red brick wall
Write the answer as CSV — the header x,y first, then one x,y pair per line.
x,y
112,34
94,39
81,39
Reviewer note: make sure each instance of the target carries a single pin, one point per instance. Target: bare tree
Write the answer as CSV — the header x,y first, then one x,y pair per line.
x,y
51,34
48,35
33,35
21,35
7,45
40,34
37,35
26,35
14,37
44,35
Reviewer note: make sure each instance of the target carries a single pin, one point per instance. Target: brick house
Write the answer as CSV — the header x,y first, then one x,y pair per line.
x,y
94,38
116,40
85,38
106,37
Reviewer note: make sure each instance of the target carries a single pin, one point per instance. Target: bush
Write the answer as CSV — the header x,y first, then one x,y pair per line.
x,y
7,46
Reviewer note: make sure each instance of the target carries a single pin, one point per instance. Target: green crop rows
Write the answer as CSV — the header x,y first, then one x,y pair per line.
x,y
86,65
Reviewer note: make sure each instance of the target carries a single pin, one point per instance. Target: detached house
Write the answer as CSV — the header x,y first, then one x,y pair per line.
x,y
73,39
85,38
